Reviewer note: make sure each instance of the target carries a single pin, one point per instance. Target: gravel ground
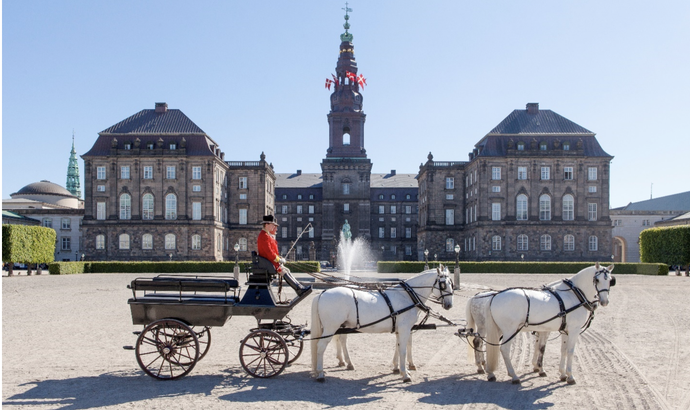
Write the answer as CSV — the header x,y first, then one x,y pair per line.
x,y
63,339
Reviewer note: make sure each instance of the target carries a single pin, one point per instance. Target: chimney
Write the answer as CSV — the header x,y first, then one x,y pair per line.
x,y
392,172
222,156
299,172
161,108
532,108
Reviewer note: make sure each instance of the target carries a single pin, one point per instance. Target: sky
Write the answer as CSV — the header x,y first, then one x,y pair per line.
x,y
440,75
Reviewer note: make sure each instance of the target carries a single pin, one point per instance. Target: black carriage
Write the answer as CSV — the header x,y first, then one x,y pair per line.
x,y
178,312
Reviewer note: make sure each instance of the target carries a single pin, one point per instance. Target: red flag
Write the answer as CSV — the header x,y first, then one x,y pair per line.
x,y
350,75
335,80
361,81
328,84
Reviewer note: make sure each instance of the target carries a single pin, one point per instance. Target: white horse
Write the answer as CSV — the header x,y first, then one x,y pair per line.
x,y
343,355
499,316
370,312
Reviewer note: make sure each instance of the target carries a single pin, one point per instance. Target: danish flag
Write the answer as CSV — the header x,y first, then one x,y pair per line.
x,y
328,84
361,80
350,76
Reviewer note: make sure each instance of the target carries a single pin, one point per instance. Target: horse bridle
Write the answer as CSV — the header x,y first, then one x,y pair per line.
x,y
612,281
443,286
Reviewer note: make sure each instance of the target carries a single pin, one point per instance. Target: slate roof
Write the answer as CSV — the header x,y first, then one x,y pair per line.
x,y
150,122
543,122
394,181
316,181
675,202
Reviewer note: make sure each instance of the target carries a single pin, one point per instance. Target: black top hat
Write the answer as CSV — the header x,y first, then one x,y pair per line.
x,y
269,219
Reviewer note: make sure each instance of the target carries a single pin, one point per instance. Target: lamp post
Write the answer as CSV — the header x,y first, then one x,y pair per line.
x,y
426,259
170,256
383,249
522,257
83,257
456,274
236,269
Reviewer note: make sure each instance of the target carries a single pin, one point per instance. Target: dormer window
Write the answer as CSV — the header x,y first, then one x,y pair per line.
x,y
128,145
542,146
566,146
521,146
173,146
149,145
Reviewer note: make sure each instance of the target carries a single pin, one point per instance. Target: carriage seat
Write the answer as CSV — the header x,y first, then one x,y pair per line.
x,y
263,270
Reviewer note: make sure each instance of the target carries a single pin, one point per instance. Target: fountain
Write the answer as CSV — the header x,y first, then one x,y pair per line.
x,y
353,255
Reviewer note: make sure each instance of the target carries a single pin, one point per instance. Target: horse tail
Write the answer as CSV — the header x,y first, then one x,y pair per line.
x,y
470,325
493,334
316,331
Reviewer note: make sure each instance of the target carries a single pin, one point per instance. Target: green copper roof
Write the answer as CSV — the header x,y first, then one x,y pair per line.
x,y
73,185
346,36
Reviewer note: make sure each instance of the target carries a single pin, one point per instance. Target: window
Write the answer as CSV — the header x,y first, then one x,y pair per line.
x,y
408,196
66,243
450,183
148,172
449,197
545,242
48,223
566,146
646,222
408,209
450,245
196,174
196,242
593,243
100,188
128,145
544,208
450,216
408,250
147,241
125,206
100,211
592,189
521,146
592,212
617,222
284,196
592,173
495,188
169,242
408,233
545,173
299,196
542,146
173,146
346,138
569,243
196,188
243,244
394,232
196,211
147,207
66,223
346,189
243,183
496,211
522,207
170,172
124,172
100,241
394,209
243,216
382,232
149,145
284,209
124,241
495,243
311,231
311,209
522,173
393,197
299,209
568,173
284,232
170,207
496,173
382,209
380,196
346,208
568,208
242,196
522,243
100,172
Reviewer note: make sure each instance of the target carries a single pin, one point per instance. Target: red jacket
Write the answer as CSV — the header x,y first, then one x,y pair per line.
x,y
268,248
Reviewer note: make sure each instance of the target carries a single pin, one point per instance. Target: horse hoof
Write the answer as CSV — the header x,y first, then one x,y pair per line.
x,y
407,380
350,367
563,378
542,374
396,371
341,364
492,378
571,381
412,367
480,371
516,381
320,379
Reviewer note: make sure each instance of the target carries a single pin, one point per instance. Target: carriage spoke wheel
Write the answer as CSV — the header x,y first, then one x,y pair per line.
x,y
295,346
167,349
204,336
263,353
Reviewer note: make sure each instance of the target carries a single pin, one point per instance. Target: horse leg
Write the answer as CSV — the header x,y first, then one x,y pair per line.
x,y
561,367
505,351
339,350
410,362
345,353
403,338
396,365
570,350
539,349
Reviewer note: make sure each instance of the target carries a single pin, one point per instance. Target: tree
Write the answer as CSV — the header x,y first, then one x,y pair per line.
x,y
27,244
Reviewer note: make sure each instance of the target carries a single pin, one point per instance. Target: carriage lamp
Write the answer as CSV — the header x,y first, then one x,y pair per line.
x,y
426,259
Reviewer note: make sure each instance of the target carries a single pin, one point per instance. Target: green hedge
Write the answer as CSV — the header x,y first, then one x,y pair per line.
x,y
669,245
27,244
67,268
524,267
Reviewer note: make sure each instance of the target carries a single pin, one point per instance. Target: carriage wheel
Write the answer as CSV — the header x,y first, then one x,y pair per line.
x,y
295,346
167,349
263,353
204,337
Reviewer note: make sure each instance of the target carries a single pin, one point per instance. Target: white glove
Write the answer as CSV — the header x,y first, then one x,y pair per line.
x,y
282,261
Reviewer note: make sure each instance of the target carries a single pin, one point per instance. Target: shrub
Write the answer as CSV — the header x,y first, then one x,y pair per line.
x,y
568,268
27,244
66,268
669,245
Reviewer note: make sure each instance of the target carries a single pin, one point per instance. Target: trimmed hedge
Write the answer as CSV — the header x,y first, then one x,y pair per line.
x,y
524,267
27,244
669,245
67,268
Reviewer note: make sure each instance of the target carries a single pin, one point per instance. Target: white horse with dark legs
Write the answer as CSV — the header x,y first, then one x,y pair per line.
x,y
565,306
369,312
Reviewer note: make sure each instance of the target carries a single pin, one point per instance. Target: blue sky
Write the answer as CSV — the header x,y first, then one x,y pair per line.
x,y
440,74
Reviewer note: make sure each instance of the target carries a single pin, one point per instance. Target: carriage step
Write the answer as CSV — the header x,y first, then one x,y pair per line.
x,y
128,347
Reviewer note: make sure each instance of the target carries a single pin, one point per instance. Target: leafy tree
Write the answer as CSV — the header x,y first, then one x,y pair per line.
x,y
27,244
666,245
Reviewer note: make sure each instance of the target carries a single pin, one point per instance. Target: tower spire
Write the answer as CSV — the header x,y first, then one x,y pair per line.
x,y
73,185
346,36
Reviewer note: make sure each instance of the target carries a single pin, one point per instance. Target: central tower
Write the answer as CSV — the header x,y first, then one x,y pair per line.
x,y
346,170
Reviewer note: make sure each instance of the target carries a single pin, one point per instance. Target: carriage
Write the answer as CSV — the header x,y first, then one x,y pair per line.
x,y
178,312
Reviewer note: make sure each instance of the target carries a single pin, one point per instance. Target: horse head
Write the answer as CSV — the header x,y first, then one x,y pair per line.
x,y
443,287
603,281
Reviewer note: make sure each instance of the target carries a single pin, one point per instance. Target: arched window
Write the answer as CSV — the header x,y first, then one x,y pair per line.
x,y
100,241
569,243
346,138
568,208
196,242
545,242
593,243
147,241
170,242
147,207
124,241
496,243
522,243
522,207
544,208
125,206
243,244
171,206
